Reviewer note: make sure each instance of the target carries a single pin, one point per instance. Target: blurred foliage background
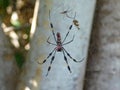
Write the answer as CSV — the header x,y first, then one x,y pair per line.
x,y
16,17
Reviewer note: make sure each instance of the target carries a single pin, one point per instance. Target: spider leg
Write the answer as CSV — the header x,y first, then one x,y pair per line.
x,y
52,59
51,25
48,56
71,57
69,41
75,15
67,33
65,58
50,42
70,16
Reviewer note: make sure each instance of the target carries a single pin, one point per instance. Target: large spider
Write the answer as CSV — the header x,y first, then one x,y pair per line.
x,y
59,48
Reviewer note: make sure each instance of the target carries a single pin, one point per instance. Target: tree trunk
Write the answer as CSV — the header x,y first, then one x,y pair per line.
x,y
104,57
59,77
8,67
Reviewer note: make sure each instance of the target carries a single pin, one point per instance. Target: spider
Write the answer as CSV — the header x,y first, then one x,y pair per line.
x,y
75,22
59,48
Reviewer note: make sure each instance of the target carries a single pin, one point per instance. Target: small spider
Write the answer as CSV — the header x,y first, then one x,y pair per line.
x,y
75,22
59,48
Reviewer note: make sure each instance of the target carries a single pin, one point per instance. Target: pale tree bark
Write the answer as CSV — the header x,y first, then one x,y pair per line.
x,y
104,57
8,67
59,77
